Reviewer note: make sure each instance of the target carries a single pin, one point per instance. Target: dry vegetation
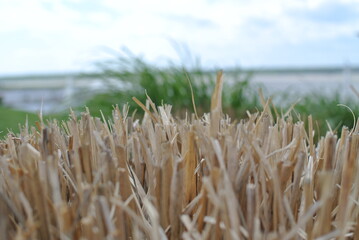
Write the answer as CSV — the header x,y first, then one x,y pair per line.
x,y
163,178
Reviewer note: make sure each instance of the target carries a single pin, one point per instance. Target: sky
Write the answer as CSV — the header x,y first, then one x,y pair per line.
x,y
45,36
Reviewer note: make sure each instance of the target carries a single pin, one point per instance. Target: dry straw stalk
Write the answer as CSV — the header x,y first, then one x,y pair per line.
x,y
166,178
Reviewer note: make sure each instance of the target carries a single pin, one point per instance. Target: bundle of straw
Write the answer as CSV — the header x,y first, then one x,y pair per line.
x,y
192,178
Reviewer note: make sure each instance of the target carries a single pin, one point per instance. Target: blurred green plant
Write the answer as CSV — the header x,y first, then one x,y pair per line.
x,y
240,95
128,75
11,119
328,111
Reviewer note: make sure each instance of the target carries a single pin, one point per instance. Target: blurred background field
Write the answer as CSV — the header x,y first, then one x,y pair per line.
x,y
64,54
317,92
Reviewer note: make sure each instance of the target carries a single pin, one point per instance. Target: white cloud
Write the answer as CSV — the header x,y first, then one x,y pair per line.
x,y
221,32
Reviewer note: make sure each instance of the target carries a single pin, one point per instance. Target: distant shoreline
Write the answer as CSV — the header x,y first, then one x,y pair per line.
x,y
259,70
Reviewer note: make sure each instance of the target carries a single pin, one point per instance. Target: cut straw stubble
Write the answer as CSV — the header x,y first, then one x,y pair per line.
x,y
167,178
